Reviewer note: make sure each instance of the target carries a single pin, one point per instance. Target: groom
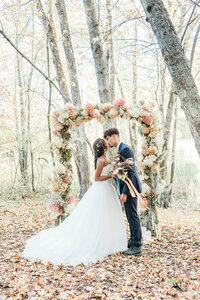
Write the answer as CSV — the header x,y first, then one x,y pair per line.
x,y
130,203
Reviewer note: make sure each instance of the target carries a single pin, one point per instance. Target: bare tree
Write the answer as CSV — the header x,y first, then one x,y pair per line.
x,y
177,64
23,150
97,51
81,143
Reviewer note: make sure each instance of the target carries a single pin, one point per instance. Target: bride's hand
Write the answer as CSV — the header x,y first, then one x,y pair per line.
x,y
114,175
123,198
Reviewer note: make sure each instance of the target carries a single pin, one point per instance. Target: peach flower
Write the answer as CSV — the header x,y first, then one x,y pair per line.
x,y
145,131
89,107
107,108
67,180
147,119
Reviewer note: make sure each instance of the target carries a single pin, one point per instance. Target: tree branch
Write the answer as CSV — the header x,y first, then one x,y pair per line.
x,y
30,62
188,23
194,45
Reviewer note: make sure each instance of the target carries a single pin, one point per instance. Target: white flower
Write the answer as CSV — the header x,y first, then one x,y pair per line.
x,y
60,168
149,161
135,111
160,187
63,116
84,113
112,112
143,177
70,208
145,189
96,113
60,109
157,116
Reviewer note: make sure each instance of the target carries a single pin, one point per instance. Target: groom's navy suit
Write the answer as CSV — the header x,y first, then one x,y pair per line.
x,y
131,202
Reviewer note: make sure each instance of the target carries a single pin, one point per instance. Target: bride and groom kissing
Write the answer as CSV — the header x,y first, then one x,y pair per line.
x,y
96,227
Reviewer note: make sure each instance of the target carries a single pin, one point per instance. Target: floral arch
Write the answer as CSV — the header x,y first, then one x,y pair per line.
x,y
150,129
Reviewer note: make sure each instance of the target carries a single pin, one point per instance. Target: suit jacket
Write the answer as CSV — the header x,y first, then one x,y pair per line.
x,y
126,152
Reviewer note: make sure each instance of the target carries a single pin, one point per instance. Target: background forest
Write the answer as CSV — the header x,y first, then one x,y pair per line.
x,y
136,71
55,52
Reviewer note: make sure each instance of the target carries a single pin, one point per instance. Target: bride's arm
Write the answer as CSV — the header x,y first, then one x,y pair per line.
x,y
100,165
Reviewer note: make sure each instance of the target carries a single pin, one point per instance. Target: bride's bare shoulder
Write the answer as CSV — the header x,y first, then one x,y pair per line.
x,y
101,160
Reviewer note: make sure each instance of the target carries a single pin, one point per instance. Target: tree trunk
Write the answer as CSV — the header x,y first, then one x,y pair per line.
x,y
173,154
81,143
194,45
49,107
97,51
177,64
169,114
166,135
23,154
133,125
49,29
110,54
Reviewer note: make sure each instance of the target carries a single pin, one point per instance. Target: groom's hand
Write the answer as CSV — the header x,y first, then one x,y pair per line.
x,y
123,198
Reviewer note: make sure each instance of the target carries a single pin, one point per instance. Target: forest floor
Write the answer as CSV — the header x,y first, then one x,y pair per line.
x,y
168,269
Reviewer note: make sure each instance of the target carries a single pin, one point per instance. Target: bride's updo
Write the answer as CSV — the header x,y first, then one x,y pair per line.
x,y
99,147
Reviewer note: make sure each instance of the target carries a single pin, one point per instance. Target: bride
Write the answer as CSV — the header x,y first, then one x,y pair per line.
x,y
93,230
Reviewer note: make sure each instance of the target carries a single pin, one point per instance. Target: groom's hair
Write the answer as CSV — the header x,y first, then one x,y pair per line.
x,y
110,132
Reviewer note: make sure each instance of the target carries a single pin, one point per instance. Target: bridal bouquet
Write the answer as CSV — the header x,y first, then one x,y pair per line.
x,y
119,170
120,167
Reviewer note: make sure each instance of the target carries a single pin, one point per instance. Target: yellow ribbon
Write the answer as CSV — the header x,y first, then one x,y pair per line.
x,y
134,192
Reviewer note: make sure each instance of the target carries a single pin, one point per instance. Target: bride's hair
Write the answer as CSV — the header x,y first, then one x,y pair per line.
x,y
99,147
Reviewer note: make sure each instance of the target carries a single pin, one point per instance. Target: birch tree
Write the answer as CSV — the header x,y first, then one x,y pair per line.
x,y
97,51
81,144
173,54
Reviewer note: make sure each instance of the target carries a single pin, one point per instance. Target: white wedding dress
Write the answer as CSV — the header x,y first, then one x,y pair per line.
x,y
94,229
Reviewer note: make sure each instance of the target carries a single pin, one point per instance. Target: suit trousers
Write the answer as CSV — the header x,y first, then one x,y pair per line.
x,y
133,220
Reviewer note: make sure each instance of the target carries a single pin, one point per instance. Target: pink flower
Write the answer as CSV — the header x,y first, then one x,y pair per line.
x,y
89,107
55,132
67,180
59,126
68,172
71,199
119,102
55,206
153,104
147,119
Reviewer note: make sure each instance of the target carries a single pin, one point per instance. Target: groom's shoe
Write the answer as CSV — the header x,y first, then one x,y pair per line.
x,y
133,250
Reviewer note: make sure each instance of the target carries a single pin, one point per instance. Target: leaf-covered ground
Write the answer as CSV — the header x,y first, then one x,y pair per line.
x,y
168,269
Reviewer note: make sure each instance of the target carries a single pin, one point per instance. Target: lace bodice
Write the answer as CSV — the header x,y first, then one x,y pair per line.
x,y
106,170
